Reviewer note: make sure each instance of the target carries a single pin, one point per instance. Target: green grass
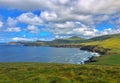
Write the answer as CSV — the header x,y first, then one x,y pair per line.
x,y
108,60
112,43
58,73
109,43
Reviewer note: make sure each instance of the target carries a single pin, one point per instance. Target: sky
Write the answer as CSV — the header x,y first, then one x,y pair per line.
x,y
31,20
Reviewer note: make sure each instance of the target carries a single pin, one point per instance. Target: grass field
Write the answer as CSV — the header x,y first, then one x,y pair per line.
x,y
108,60
58,73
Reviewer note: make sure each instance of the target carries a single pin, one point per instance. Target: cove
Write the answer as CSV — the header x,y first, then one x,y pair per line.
x,y
20,53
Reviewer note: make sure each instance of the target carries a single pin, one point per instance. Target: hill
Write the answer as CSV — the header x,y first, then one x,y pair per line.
x,y
106,41
109,45
71,40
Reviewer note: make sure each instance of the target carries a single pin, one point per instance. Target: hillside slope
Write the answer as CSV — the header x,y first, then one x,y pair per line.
x,y
108,41
111,42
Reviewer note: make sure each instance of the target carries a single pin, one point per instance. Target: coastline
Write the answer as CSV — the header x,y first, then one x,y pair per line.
x,y
90,48
99,51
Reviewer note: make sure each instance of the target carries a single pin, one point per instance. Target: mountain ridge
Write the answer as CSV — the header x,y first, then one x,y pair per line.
x,y
72,40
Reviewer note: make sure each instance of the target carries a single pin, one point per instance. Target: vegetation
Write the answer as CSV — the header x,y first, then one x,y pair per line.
x,y
58,73
67,41
105,70
111,41
113,59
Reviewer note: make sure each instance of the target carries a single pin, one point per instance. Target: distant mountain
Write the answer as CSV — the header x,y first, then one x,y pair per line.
x,y
78,40
105,41
75,38
70,40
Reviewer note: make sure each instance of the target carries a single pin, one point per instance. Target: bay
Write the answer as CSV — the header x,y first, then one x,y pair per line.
x,y
20,53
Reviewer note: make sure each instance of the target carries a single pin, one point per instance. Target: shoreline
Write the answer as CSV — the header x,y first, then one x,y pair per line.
x,y
99,51
81,47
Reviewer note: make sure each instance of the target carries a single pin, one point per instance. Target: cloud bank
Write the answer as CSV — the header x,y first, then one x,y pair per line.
x,y
65,17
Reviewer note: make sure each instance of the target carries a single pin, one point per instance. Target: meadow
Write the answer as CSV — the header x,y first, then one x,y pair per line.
x,y
58,73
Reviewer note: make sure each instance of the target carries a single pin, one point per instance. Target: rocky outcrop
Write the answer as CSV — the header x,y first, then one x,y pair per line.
x,y
95,48
91,48
91,59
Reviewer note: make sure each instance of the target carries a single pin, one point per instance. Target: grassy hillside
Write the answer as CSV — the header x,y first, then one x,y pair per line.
x,y
57,73
75,38
109,41
104,37
106,41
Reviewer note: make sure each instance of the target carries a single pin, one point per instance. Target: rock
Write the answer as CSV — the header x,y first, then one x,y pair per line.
x,y
95,48
91,59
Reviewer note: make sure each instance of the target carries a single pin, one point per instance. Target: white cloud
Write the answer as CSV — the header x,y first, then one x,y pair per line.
x,y
71,29
48,16
84,31
1,24
30,18
82,6
60,28
13,29
110,31
23,4
28,39
64,25
117,21
98,7
11,21
66,17
32,29
21,39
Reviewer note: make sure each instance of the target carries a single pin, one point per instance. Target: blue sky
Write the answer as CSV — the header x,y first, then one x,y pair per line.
x,y
31,20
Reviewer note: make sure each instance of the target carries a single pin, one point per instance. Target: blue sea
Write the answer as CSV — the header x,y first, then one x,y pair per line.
x,y
20,53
